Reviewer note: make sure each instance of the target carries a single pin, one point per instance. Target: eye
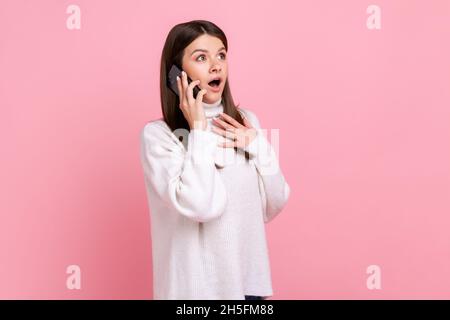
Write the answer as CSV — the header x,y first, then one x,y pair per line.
x,y
202,55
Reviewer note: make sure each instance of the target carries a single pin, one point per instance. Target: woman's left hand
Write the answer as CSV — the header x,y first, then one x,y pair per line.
x,y
228,127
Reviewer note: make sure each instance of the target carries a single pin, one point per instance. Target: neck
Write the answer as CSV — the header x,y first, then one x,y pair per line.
x,y
213,109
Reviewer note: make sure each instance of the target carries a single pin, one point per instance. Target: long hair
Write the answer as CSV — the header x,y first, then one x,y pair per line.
x,y
179,37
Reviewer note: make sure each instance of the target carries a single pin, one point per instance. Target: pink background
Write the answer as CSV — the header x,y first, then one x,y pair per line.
x,y
364,119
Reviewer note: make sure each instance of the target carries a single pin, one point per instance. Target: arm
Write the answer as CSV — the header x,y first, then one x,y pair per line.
x,y
275,189
187,181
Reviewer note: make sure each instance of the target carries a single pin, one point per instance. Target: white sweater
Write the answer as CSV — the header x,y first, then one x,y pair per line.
x,y
208,208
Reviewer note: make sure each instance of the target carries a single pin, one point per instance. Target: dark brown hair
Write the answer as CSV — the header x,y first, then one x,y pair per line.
x,y
179,37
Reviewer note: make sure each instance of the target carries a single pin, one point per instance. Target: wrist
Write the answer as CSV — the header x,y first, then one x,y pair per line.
x,y
198,125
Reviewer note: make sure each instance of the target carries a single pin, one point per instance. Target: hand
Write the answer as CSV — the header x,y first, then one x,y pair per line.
x,y
192,108
228,127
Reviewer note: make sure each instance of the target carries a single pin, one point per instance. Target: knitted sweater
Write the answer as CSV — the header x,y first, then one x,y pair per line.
x,y
208,210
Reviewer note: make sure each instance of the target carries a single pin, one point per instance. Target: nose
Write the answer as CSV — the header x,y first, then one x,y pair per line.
x,y
216,67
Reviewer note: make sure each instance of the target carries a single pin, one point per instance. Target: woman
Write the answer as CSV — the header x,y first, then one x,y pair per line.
x,y
212,178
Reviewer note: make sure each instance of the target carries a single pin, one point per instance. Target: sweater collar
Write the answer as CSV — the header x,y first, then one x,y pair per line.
x,y
213,109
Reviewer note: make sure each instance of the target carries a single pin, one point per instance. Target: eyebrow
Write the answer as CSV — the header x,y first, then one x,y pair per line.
x,y
204,50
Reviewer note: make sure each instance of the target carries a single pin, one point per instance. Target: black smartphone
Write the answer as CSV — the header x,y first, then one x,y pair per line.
x,y
172,81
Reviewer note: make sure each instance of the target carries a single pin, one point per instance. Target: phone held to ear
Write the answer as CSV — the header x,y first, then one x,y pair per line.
x,y
172,81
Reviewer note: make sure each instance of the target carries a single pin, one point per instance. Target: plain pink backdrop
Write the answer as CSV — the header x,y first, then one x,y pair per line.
x,y
364,119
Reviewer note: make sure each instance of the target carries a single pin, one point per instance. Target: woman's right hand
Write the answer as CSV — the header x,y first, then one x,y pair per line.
x,y
192,108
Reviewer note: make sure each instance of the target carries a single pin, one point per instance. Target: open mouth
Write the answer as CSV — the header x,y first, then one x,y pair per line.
x,y
214,83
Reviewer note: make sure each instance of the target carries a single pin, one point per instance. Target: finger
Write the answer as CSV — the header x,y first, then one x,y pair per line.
x,y
227,144
247,123
200,95
184,82
231,120
190,93
226,134
180,91
223,124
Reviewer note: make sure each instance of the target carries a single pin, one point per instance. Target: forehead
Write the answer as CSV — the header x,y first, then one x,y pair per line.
x,y
205,41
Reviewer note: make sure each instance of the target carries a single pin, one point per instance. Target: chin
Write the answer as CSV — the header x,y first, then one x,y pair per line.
x,y
213,96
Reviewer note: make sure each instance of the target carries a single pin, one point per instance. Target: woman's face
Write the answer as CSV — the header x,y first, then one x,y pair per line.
x,y
205,59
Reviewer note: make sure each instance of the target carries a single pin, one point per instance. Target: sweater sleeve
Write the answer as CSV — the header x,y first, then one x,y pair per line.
x,y
186,180
274,188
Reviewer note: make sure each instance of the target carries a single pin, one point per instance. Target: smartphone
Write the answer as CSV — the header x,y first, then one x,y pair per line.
x,y
172,81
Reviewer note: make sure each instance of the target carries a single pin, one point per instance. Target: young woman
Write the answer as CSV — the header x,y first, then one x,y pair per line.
x,y
212,178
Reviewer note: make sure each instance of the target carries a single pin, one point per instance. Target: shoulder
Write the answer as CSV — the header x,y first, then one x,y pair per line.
x,y
157,131
251,116
153,126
